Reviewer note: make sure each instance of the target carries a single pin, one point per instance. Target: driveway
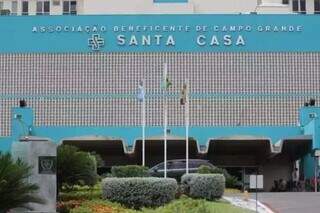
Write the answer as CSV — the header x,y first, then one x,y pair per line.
x,y
292,202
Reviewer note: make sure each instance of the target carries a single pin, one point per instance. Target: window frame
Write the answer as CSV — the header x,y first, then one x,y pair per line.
x,y
70,10
299,6
43,6
24,13
317,2
12,12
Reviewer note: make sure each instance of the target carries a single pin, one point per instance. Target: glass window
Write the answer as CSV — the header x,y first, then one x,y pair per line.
x,y
1,5
73,7
295,5
66,8
25,8
161,166
177,165
285,1
193,164
303,6
317,6
69,7
14,8
39,7
181,165
46,7
299,6
170,165
43,8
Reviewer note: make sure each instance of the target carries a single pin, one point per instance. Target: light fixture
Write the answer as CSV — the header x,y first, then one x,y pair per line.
x,y
22,103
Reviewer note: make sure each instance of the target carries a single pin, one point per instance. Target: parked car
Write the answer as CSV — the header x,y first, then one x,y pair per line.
x,y
176,168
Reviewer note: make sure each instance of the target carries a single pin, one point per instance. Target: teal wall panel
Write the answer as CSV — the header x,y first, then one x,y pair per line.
x,y
168,33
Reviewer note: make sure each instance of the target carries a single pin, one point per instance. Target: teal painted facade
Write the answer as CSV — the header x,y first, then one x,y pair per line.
x,y
23,125
160,33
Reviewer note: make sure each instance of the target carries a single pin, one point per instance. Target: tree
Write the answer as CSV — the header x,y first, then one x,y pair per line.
x,y
75,167
15,191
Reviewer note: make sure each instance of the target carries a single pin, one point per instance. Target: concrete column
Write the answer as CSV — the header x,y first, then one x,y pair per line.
x,y
310,6
40,154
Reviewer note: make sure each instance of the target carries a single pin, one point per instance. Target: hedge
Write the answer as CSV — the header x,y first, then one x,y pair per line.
x,y
129,171
75,167
206,186
231,181
139,192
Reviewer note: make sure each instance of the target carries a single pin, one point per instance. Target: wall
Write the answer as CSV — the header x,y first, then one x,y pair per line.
x,y
279,167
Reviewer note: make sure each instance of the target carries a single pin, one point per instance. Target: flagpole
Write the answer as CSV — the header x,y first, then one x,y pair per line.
x,y
165,120
187,125
143,125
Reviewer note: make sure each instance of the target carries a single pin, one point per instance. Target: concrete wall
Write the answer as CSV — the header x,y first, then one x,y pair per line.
x,y
279,167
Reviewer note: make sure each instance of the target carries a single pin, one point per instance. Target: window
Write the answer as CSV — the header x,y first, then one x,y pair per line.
x,y
303,6
43,8
299,6
285,1
1,5
317,6
14,8
25,8
295,5
160,166
170,1
69,8
177,165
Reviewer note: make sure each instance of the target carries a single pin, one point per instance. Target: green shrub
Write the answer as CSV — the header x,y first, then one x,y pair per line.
x,y
15,191
82,193
75,167
206,186
231,181
182,205
139,192
99,160
203,169
129,171
215,170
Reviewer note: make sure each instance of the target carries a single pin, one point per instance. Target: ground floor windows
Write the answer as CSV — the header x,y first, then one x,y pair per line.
x,y
69,8
14,8
43,8
25,8
317,6
299,6
285,1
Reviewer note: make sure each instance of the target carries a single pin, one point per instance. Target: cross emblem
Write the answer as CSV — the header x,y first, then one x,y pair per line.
x,y
95,42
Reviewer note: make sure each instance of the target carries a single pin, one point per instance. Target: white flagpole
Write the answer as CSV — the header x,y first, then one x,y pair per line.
x,y
143,124
165,119
187,125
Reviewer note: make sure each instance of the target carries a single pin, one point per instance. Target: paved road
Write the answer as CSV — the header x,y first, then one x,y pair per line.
x,y
293,202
